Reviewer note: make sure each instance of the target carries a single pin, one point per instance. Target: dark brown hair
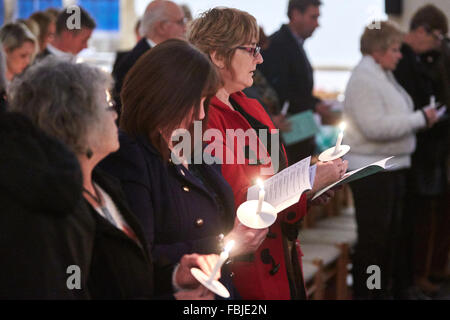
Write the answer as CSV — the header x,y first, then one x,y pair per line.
x,y
162,89
431,18
44,20
86,21
302,5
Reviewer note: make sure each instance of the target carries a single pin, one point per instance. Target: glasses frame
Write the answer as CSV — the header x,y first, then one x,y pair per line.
x,y
254,51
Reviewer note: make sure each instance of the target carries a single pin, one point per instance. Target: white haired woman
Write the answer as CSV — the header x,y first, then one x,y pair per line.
x,y
382,122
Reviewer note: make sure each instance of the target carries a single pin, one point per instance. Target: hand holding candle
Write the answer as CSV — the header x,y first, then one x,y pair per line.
x,y
223,257
337,151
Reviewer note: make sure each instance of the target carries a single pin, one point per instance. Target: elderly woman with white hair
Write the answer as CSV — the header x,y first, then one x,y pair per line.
x,y
20,46
381,123
104,243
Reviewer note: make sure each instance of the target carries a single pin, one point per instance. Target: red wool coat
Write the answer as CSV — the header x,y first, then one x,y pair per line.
x,y
252,277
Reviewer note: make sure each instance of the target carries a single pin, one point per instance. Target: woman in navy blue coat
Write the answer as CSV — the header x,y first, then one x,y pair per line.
x,y
182,207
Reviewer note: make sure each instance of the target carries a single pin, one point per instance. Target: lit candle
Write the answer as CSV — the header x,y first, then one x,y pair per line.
x,y
262,194
222,258
342,126
433,101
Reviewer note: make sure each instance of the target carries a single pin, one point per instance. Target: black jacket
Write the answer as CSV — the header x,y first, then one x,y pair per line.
x,y
288,70
121,69
42,232
428,162
179,213
46,226
121,267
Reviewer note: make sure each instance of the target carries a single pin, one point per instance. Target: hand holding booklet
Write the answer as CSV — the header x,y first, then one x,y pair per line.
x,y
285,188
357,174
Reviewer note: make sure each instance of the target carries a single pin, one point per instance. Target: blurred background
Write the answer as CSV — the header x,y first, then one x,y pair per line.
x,y
333,49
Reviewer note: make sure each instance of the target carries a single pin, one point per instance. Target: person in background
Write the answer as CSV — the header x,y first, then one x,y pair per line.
x,y
288,70
53,12
20,48
3,82
187,12
162,20
426,184
121,54
67,43
229,37
47,28
381,123
81,218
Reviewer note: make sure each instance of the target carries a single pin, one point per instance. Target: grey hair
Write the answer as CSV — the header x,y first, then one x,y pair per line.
x,y
151,17
3,83
64,99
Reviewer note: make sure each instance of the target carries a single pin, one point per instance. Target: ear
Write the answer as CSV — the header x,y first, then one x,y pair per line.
x,y
217,60
160,27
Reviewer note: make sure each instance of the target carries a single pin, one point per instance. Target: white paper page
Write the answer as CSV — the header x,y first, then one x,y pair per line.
x,y
348,176
285,188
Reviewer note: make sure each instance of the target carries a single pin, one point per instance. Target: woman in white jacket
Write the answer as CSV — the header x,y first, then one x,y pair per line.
x,y
381,123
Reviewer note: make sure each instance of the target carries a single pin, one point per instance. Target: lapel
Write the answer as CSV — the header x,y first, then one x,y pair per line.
x,y
112,187
179,170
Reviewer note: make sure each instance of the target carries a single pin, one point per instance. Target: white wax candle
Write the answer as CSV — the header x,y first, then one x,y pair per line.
x,y
222,258
433,101
262,195
340,138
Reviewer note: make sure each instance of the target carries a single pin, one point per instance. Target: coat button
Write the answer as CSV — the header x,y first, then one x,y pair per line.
x,y
199,223
186,189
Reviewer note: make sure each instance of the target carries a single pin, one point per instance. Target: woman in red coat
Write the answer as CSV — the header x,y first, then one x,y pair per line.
x,y
229,37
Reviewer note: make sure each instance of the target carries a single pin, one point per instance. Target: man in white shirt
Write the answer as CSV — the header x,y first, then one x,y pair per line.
x,y
69,42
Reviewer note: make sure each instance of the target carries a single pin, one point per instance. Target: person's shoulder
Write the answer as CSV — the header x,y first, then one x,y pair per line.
x,y
130,58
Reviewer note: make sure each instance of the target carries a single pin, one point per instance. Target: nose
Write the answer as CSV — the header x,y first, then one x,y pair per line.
x,y
259,58
201,112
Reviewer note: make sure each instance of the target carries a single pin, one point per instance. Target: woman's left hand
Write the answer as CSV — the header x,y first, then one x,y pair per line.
x,y
206,263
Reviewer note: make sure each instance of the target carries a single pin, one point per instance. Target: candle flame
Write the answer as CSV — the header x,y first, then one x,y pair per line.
x,y
260,183
343,126
229,246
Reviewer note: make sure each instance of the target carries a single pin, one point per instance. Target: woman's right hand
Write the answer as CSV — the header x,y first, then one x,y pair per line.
x,y
247,240
327,173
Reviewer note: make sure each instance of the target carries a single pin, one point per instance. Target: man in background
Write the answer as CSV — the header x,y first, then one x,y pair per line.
x,y
67,43
287,68
162,20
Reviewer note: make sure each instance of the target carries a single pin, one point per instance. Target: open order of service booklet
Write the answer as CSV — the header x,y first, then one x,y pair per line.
x,y
358,174
285,188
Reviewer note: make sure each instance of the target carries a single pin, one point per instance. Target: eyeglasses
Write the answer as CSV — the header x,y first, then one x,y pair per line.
x,y
254,51
181,22
436,34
